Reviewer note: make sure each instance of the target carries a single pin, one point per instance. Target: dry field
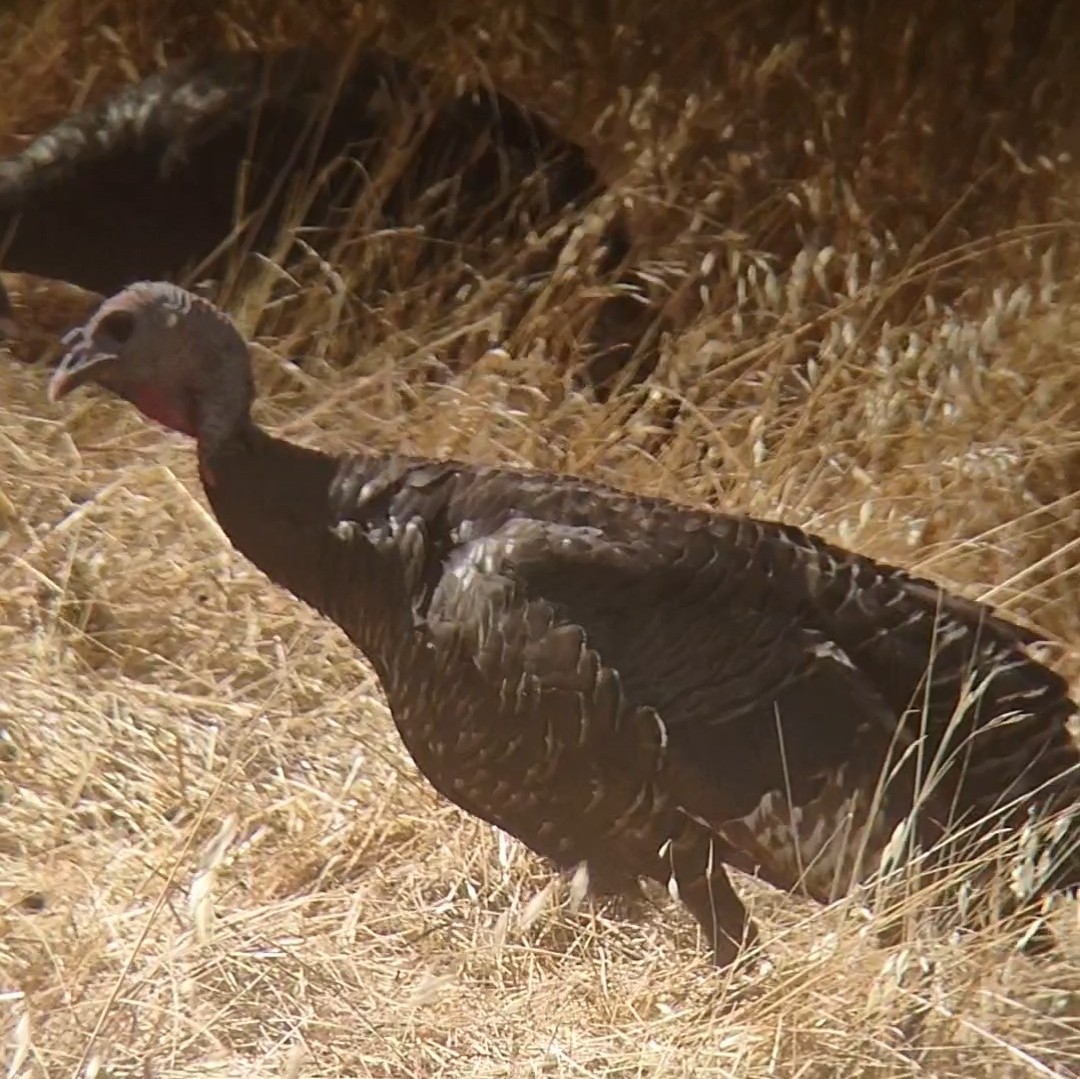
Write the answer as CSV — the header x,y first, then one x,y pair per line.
x,y
216,858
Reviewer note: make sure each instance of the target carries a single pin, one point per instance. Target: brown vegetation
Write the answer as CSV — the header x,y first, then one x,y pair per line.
x,y
215,856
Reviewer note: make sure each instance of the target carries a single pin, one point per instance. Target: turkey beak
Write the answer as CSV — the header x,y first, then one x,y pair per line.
x,y
81,363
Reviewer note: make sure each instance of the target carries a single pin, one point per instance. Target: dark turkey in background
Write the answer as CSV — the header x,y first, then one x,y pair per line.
x,y
151,182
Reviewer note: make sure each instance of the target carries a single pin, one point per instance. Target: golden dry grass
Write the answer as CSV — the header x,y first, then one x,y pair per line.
x,y
216,857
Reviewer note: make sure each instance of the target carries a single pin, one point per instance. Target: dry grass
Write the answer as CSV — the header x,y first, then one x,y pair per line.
x,y
215,856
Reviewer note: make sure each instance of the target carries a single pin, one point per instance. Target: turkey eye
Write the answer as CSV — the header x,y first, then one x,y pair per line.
x,y
118,325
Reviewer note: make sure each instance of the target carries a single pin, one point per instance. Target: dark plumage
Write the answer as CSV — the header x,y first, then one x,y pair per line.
x,y
147,182
655,690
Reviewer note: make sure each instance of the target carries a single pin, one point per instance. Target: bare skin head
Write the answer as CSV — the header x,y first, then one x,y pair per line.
x,y
175,356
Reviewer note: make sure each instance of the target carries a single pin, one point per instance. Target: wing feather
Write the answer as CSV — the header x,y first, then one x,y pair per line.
x,y
712,685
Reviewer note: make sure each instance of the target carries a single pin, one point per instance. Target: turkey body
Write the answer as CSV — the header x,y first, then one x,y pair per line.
x,y
655,690
150,182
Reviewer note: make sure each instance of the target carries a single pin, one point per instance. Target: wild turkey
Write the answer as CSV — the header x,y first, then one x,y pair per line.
x,y
654,690
145,184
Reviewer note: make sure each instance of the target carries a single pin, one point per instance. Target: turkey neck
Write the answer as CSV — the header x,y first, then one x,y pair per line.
x,y
272,499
